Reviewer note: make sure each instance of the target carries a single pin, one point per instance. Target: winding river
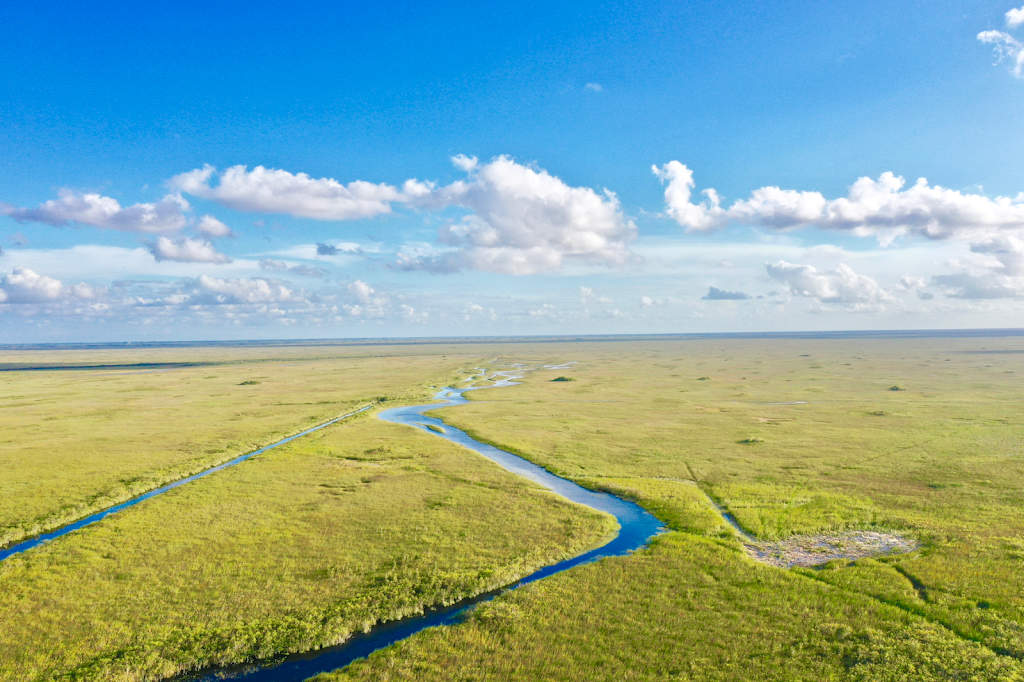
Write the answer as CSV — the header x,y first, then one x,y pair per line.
x,y
637,527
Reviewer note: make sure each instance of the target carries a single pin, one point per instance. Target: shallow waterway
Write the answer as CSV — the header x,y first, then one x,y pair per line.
x,y
43,538
637,527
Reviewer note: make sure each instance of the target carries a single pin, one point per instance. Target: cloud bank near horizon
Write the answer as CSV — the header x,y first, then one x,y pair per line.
x,y
881,208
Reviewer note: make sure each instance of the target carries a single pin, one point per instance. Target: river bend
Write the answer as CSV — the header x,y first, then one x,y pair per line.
x,y
637,527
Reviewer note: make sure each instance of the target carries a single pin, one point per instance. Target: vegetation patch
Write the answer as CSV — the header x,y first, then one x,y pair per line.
x,y
290,552
564,379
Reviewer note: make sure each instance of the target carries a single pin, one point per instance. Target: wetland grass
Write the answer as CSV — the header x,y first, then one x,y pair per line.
x,y
945,467
293,550
74,441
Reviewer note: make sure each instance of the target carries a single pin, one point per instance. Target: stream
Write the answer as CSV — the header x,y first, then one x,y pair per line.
x,y
637,527
43,538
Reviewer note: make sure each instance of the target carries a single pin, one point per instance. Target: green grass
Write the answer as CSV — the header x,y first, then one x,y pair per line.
x,y
792,437
294,549
367,520
76,441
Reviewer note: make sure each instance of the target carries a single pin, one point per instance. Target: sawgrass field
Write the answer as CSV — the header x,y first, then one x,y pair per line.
x,y
366,520
794,437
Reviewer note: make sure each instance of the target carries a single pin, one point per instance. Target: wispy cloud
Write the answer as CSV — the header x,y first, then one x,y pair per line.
x,y
270,190
1007,48
162,217
187,250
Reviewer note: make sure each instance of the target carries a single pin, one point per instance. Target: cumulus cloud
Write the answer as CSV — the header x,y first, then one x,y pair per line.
x,y
999,274
841,286
212,227
370,302
270,190
911,283
524,221
703,217
1015,17
873,207
716,294
254,290
165,216
186,250
25,286
409,314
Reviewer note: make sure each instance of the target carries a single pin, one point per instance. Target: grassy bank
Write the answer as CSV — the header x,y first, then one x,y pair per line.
x,y
75,441
289,551
792,437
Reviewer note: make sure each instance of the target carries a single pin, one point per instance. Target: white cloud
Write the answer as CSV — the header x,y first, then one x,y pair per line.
x,y
269,190
525,221
361,290
187,250
467,164
841,286
371,303
999,273
212,227
646,302
247,290
1007,48
911,283
704,217
593,87
546,311
1015,17
409,314
25,286
165,216
873,207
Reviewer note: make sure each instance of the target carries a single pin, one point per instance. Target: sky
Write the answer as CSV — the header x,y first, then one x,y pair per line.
x,y
220,171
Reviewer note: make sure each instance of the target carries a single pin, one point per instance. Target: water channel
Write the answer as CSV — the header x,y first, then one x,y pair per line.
x,y
637,527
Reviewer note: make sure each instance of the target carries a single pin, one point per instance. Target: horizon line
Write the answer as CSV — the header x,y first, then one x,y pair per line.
x,y
530,338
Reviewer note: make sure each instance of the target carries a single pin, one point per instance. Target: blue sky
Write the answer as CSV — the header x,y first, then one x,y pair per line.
x,y
503,158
